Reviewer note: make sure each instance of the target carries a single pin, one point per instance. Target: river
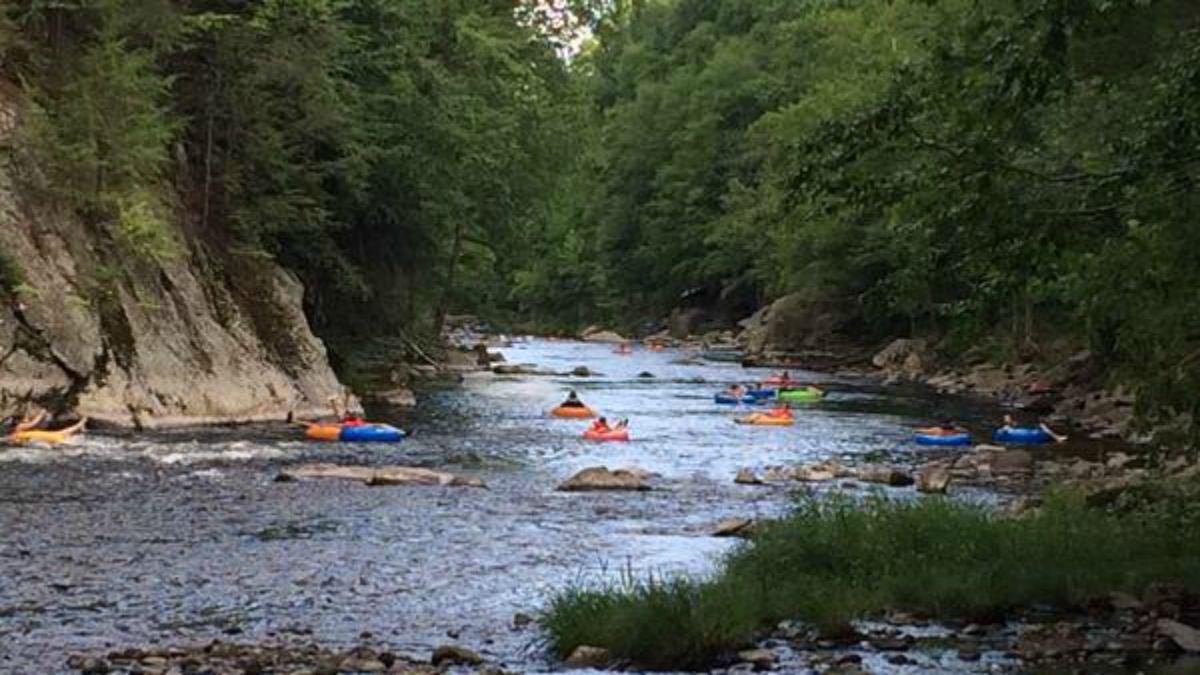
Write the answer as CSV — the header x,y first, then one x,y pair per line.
x,y
185,536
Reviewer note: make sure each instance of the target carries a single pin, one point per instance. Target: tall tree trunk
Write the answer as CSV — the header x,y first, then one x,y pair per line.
x,y
439,317
208,151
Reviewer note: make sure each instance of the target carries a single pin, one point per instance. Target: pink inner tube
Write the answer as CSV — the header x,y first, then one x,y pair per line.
x,y
614,435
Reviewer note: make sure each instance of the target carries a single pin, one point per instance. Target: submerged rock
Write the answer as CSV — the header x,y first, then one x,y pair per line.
x,y
601,478
382,475
521,369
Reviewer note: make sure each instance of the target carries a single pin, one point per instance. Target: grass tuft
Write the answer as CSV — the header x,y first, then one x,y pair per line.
x,y
835,560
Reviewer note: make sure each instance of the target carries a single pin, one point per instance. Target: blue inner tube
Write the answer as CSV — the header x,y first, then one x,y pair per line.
x,y
761,393
953,439
370,433
726,399
1021,435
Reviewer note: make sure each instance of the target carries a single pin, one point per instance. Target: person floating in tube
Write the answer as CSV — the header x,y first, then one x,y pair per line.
x,y
572,401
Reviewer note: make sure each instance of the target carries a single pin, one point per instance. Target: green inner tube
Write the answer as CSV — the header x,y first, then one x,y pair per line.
x,y
805,394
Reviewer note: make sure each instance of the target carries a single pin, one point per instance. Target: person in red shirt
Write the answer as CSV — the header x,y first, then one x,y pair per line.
x,y
341,410
783,411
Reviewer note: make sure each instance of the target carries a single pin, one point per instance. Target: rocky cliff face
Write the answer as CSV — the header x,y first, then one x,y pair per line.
x,y
200,336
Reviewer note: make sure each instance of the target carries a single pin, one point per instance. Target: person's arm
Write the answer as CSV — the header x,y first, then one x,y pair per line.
x,y
1058,438
30,422
75,428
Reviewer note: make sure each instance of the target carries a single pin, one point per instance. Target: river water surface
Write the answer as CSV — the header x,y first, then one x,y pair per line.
x,y
184,536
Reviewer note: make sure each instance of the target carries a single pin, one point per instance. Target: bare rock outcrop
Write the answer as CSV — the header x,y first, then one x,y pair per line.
x,y
194,336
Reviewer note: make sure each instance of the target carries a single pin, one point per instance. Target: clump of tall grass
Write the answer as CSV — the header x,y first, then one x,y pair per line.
x,y
834,560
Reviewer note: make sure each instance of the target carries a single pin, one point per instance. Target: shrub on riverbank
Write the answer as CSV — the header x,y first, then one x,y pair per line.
x,y
835,560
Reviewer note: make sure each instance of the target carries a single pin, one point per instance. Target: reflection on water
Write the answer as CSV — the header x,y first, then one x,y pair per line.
x,y
184,535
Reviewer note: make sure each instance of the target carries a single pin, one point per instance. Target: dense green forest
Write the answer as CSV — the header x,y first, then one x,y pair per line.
x,y
394,153
1016,173
1008,172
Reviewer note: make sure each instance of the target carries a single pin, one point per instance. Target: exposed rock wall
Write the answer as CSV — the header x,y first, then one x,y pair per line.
x,y
198,337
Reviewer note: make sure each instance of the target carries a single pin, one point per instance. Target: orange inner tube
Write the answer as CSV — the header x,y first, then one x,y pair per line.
x,y
323,432
610,435
569,411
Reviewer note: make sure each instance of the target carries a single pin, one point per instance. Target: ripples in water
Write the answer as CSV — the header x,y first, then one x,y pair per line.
x,y
184,535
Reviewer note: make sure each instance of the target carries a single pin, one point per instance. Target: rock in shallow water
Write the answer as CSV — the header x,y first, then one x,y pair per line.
x,y
601,478
746,477
381,475
734,527
1185,636
586,656
455,654
933,479
761,659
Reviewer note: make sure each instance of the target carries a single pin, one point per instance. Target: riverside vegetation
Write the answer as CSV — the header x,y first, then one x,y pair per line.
x,y
835,560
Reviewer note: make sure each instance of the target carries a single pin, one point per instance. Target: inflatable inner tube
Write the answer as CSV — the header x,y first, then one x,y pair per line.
x,y
765,392
354,433
1020,435
612,435
572,411
799,395
726,399
370,433
942,439
759,419
323,432
39,436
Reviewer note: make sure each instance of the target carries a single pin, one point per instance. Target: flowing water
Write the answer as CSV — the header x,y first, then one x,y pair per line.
x,y
184,536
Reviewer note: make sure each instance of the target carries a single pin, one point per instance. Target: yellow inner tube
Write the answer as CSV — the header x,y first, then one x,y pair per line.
x,y
765,420
39,436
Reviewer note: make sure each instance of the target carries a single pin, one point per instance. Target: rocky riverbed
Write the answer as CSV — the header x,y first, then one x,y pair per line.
x,y
171,541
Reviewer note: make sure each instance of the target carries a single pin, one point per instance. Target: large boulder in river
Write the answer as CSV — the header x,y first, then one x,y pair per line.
x,y
595,334
905,356
601,478
378,475
685,322
793,323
